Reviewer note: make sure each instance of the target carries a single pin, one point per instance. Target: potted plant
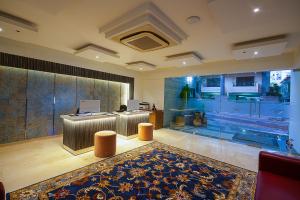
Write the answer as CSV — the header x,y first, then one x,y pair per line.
x,y
185,93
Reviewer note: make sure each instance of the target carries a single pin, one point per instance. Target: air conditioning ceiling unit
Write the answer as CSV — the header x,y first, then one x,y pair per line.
x,y
144,41
145,28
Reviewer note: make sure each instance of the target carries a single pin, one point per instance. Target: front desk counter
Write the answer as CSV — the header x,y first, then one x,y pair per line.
x,y
78,131
127,122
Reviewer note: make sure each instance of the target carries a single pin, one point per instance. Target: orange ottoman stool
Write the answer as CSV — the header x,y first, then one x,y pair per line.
x,y
145,131
105,143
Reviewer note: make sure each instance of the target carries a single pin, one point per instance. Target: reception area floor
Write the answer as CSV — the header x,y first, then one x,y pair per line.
x,y
29,162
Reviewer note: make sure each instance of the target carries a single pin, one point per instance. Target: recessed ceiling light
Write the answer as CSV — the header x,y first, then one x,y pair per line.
x,y
97,57
193,19
256,10
255,52
1,29
183,62
141,68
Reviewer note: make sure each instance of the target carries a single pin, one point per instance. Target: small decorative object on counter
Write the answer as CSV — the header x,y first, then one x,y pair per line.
x,y
153,107
144,106
123,108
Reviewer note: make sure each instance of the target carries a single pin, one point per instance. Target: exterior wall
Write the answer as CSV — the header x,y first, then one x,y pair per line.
x,y
230,81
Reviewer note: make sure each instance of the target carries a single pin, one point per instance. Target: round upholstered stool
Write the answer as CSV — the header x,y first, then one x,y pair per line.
x,y
105,143
145,131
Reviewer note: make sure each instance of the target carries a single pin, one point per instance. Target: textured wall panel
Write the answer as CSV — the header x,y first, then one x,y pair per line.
x,y
114,94
4,82
124,93
12,104
85,89
27,107
18,84
12,124
101,92
46,66
39,104
65,99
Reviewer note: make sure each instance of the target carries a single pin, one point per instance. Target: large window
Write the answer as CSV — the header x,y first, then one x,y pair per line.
x,y
245,81
213,82
228,106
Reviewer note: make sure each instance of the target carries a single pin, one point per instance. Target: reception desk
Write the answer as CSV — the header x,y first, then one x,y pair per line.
x,y
127,122
78,131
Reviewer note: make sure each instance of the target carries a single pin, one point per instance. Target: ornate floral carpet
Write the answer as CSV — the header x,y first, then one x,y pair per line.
x,y
153,171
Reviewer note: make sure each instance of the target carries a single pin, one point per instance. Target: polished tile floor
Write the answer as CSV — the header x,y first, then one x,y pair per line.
x,y
32,161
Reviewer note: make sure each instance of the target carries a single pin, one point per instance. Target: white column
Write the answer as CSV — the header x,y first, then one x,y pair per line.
x,y
294,128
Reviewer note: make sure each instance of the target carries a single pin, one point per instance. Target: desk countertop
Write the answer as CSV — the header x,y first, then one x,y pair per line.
x,y
87,117
101,116
131,113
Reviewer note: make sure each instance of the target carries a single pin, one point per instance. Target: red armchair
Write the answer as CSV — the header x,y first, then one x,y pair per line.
x,y
278,177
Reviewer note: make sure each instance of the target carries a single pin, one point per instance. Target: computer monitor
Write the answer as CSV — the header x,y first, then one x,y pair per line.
x,y
133,105
89,106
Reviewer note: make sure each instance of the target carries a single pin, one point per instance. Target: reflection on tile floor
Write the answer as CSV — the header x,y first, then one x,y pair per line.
x,y
244,136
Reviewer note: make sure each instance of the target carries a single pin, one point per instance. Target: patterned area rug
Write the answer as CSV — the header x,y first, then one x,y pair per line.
x,y
153,171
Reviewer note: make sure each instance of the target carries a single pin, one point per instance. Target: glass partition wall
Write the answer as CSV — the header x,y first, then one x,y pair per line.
x,y
249,108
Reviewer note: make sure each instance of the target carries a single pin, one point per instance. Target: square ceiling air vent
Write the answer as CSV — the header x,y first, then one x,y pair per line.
x,y
145,41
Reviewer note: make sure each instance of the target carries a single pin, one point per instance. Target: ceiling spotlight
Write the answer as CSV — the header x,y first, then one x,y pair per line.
x,y
183,62
97,57
256,10
1,29
255,52
141,68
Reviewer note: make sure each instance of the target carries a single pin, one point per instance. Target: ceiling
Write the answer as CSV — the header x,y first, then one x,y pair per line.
x,y
69,24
